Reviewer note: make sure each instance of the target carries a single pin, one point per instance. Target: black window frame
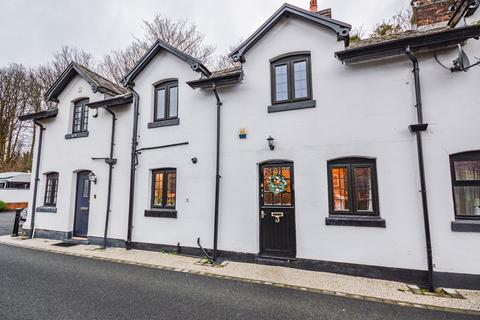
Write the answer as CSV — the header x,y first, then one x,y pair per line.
x,y
166,172
290,59
167,85
80,103
351,163
51,193
463,156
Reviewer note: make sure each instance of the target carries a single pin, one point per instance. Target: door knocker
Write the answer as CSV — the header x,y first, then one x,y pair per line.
x,y
277,216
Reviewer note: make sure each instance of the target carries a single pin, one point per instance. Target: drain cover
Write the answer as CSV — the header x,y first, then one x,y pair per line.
x,y
64,244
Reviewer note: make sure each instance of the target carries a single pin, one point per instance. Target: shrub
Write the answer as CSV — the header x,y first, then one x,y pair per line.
x,y
3,205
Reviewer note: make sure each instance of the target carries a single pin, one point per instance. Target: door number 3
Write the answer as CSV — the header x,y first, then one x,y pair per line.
x,y
277,216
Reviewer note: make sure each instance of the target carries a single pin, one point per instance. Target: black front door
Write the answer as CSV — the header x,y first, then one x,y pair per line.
x,y
277,210
82,205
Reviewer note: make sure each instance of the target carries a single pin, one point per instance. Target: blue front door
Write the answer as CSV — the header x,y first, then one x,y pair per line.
x,y
82,205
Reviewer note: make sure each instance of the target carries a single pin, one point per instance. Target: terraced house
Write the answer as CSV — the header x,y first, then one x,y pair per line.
x,y
317,152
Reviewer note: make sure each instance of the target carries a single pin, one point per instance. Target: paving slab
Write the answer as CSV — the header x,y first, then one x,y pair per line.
x,y
390,292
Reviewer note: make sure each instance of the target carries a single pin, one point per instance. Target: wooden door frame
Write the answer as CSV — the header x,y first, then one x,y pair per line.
x,y
76,202
260,180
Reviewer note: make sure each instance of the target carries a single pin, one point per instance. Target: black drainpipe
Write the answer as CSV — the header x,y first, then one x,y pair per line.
x,y
418,129
37,172
217,178
133,165
111,162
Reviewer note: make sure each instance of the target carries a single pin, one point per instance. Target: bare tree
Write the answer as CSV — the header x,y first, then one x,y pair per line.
x,y
177,33
400,22
13,103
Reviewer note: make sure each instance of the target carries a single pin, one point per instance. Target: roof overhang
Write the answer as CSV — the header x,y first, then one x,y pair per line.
x,y
422,43
112,102
42,115
70,72
195,64
342,29
217,81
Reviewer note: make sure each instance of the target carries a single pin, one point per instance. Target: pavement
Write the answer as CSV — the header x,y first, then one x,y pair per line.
x,y
47,285
325,284
6,222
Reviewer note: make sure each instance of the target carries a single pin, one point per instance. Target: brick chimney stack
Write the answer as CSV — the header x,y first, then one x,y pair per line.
x,y
431,13
313,6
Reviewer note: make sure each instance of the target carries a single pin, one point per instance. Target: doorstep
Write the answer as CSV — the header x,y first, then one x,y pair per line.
x,y
383,291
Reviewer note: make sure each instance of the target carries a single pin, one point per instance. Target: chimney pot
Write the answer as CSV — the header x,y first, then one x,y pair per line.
x,y
313,6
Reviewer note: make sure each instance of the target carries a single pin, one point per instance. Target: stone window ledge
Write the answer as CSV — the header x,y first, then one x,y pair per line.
x,y
466,226
46,209
76,135
161,213
292,106
355,221
164,123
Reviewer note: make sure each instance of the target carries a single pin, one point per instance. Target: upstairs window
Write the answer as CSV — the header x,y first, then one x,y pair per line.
x,y
80,116
465,171
166,101
51,189
291,78
352,187
164,185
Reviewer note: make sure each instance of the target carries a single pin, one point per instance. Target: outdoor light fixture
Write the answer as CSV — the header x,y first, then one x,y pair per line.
x,y
270,143
92,177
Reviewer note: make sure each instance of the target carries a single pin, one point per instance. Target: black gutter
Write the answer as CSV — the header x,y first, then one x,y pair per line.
x,y
111,162
162,147
426,41
133,164
41,115
217,178
37,174
219,80
418,129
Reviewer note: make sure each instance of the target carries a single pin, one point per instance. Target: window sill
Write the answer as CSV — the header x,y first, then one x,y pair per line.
x,y
355,221
76,135
164,123
46,209
466,226
292,106
161,213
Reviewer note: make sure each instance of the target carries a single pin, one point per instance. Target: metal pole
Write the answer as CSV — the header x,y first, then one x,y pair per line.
x,y
217,179
423,188
37,172
133,165
110,162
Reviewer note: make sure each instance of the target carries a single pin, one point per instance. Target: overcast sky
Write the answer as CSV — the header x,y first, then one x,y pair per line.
x,y
30,30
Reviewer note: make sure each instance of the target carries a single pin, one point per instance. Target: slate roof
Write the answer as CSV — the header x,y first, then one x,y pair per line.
x,y
96,82
341,28
159,45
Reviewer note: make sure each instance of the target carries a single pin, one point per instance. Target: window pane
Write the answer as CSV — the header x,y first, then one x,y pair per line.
x,y
171,189
281,83
158,192
85,117
173,101
86,188
467,201
467,170
340,188
300,76
267,198
160,104
363,189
